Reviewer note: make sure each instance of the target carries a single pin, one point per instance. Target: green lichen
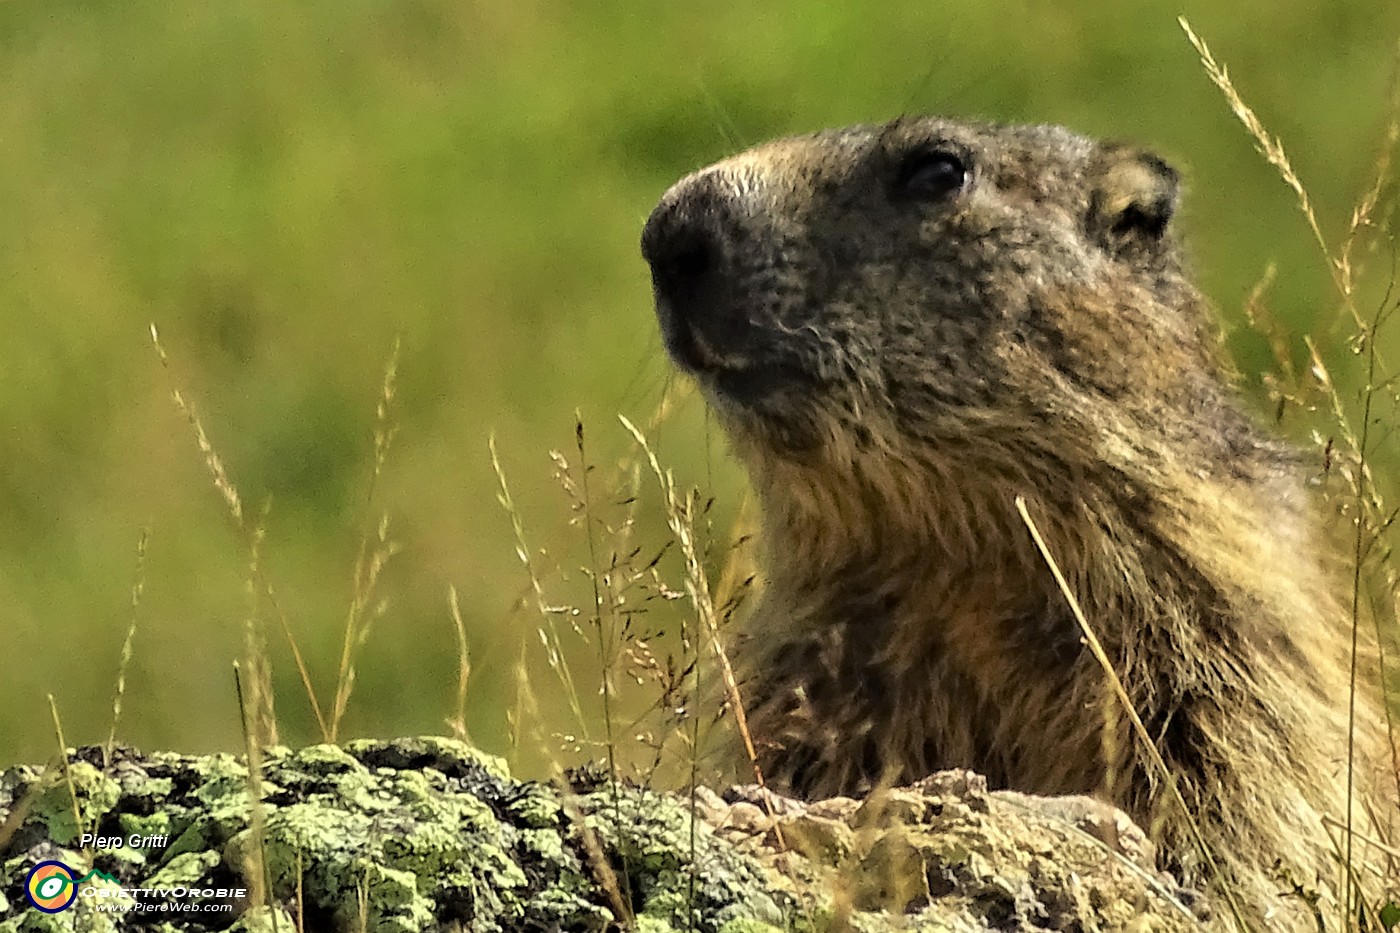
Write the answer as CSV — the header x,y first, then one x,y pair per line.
x,y
392,901
536,809
224,790
437,752
185,869
324,761
78,919
264,919
417,834
645,924
749,926
676,869
95,792
145,826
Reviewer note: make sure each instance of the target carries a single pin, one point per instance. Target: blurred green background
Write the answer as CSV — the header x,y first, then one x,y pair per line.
x,y
285,188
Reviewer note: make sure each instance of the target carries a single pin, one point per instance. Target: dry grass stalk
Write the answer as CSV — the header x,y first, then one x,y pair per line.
x,y
214,464
680,519
458,720
375,551
138,587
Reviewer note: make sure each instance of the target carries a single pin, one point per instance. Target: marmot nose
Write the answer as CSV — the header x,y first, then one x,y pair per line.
x,y
691,241
682,243
714,273
682,255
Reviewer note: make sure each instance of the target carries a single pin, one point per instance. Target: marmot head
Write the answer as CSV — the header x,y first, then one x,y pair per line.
x,y
984,291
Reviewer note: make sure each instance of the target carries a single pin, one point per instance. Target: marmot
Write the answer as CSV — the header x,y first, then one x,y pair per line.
x,y
906,327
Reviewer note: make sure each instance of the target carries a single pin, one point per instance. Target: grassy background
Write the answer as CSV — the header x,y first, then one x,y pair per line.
x,y
284,189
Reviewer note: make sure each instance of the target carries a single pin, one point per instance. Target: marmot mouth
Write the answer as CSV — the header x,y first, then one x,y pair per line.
x,y
692,350
739,376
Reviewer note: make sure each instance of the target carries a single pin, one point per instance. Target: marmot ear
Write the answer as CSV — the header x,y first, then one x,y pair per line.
x,y
1134,197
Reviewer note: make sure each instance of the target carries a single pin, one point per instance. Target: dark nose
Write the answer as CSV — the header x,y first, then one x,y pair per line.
x,y
683,243
689,241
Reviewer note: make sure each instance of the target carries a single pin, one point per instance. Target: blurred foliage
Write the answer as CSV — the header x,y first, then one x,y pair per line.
x,y
285,188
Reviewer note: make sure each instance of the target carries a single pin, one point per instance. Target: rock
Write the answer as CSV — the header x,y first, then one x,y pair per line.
x,y
431,834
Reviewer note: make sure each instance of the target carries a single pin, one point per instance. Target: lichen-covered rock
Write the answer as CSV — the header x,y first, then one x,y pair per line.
x,y
948,855
431,834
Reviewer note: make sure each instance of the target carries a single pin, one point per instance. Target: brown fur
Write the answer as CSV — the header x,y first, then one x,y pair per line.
x,y
897,358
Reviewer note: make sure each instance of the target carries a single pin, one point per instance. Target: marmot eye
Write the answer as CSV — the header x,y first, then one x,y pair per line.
x,y
930,175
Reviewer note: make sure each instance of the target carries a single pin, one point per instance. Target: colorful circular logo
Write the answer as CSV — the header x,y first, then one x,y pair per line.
x,y
51,887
